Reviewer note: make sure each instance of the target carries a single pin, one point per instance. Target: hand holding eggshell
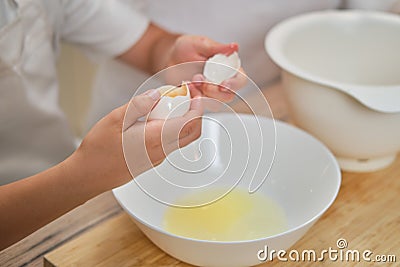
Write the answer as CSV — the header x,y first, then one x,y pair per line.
x,y
174,102
222,76
147,143
191,48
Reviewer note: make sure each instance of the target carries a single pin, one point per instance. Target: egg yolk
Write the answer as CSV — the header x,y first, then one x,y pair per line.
x,y
178,91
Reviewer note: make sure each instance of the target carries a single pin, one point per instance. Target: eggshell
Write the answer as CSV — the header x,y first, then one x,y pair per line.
x,y
171,106
221,67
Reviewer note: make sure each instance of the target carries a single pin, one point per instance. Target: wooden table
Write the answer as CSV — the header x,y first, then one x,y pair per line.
x,y
366,213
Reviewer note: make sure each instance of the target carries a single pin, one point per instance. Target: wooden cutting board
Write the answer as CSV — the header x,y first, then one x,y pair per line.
x,y
366,213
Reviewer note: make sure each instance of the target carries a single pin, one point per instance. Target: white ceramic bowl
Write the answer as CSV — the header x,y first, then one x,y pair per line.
x,y
304,180
318,52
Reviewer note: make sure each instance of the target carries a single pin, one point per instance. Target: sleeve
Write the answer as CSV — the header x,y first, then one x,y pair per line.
x,y
382,5
101,28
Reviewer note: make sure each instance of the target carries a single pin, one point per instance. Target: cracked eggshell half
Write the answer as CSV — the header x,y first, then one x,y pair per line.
x,y
221,67
174,102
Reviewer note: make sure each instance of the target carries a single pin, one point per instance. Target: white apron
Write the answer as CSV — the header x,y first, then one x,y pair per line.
x,y
34,134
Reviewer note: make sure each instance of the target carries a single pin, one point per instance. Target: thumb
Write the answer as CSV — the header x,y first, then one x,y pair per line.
x,y
210,47
139,106
225,49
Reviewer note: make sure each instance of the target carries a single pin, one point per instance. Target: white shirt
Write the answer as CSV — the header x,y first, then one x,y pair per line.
x,y
34,134
245,22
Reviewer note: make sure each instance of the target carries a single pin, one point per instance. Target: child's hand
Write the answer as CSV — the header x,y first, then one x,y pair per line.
x,y
146,144
143,145
199,48
224,92
96,166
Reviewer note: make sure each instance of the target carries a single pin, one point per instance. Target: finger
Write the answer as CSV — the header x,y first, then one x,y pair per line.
x,y
198,78
196,107
189,133
194,89
163,138
227,49
190,128
139,106
172,128
186,140
215,91
169,130
208,47
198,81
235,83
203,85
224,92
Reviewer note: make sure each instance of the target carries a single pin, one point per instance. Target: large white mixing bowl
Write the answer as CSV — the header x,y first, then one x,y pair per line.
x,y
323,51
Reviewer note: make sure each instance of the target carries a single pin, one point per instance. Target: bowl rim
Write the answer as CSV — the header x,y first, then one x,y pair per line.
x,y
277,35
310,221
